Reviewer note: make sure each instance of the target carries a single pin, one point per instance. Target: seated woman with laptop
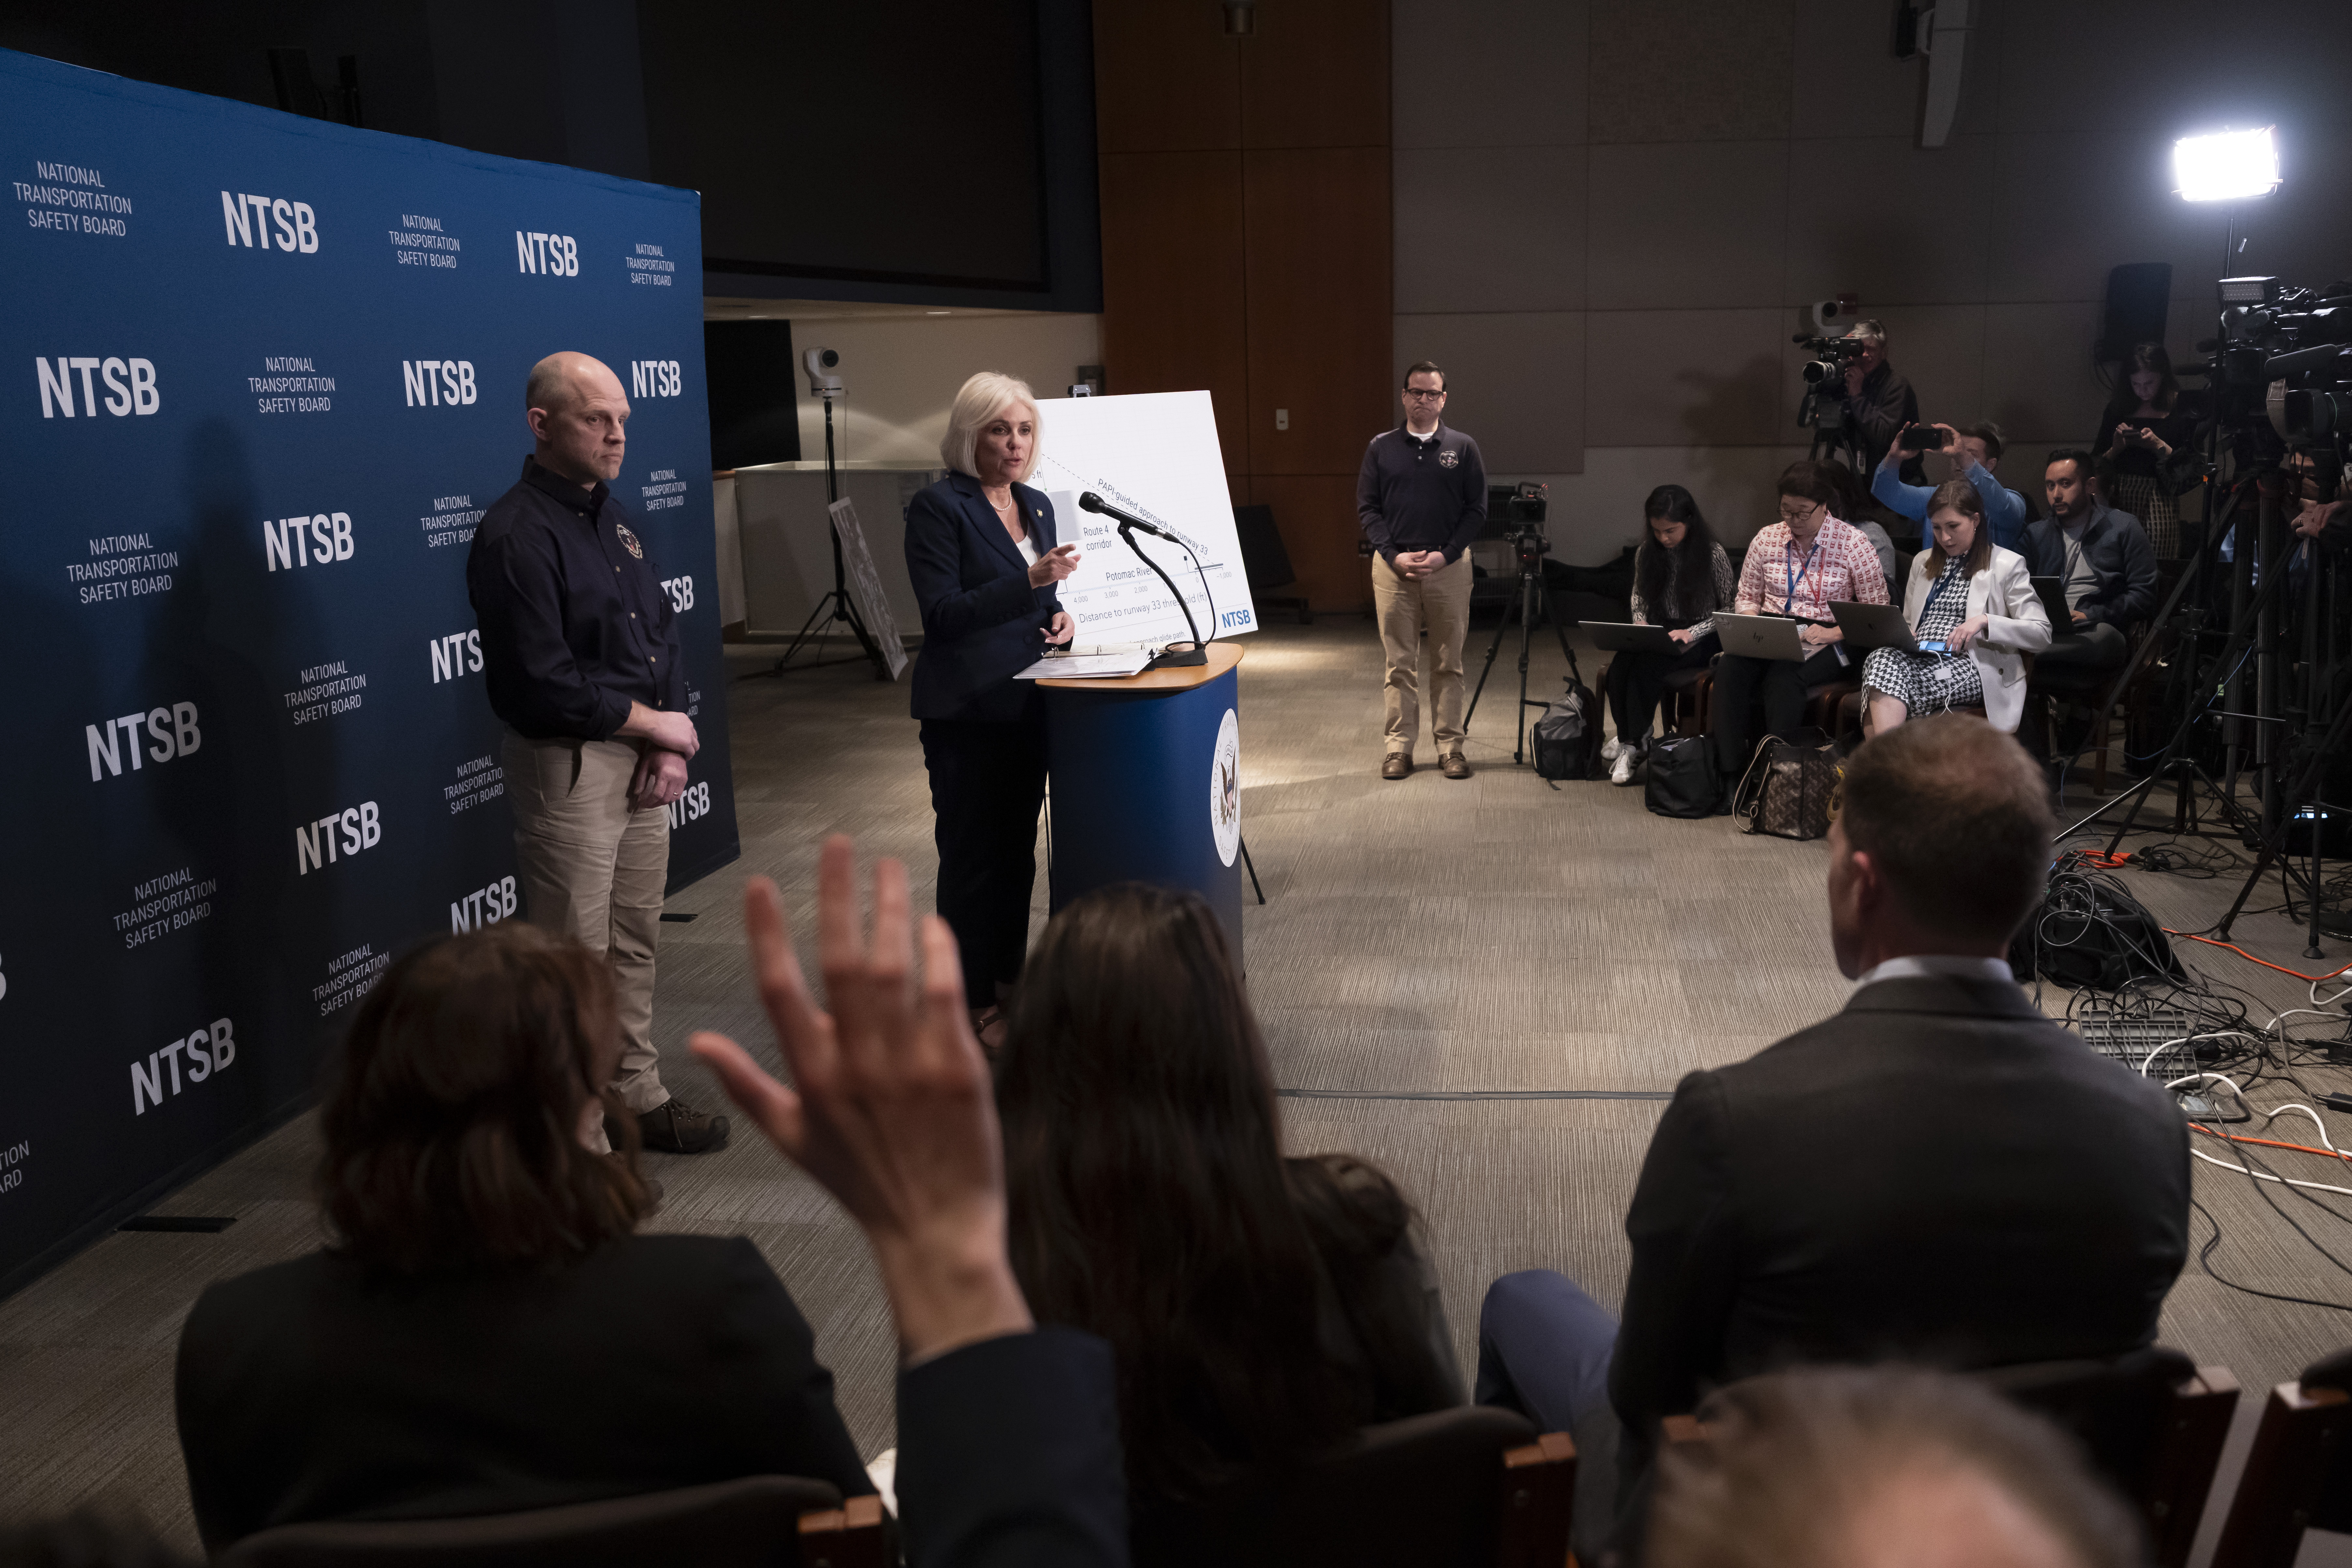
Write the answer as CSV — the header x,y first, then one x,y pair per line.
x,y
1972,612
1681,578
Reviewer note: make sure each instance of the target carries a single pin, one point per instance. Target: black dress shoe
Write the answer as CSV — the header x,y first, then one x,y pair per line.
x,y
674,1127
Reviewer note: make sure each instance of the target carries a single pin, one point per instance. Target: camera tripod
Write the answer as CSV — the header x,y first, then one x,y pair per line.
x,y
835,607
1535,598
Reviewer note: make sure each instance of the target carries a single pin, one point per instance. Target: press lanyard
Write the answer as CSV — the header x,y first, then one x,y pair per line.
x,y
1789,592
1932,595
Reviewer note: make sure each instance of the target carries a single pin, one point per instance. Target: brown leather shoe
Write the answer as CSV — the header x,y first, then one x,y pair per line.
x,y
1454,765
674,1127
1396,765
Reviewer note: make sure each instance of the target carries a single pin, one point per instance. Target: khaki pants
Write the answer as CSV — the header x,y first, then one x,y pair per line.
x,y
594,870
1438,604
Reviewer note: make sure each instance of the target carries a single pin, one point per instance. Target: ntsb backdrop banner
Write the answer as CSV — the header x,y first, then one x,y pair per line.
x,y
260,376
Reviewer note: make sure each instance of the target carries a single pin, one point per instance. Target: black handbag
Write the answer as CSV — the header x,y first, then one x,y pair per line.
x,y
1682,777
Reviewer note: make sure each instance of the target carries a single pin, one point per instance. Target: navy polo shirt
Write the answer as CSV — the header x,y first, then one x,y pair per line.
x,y
1422,492
575,624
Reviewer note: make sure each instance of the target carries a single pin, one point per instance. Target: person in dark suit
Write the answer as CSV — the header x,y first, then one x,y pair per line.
x,y
485,1332
1009,1452
1937,1173
981,552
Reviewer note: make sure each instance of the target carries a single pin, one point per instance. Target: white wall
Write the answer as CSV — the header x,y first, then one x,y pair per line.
x,y
902,372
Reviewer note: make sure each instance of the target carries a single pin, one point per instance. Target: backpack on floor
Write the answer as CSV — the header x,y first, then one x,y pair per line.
x,y
1790,791
1681,778
1567,739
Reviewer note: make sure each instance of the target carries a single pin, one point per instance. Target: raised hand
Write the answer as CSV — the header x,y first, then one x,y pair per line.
x,y
893,1112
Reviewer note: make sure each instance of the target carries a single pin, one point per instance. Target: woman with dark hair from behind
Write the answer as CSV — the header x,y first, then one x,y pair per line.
x,y
1259,1308
2145,421
1681,578
486,1332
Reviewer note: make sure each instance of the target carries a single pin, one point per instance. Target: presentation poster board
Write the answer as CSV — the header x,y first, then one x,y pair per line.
x,y
263,375
1153,455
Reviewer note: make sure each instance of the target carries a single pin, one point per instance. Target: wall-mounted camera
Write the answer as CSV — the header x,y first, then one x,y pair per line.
x,y
819,362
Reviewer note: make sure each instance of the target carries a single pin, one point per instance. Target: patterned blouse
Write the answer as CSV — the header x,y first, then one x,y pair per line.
x,y
1723,587
1781,577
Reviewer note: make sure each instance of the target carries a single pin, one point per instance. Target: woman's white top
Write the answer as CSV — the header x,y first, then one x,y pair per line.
x,y
2015,624
1027,545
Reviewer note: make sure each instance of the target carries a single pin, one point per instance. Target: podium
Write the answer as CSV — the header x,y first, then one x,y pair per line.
x,y
1147,784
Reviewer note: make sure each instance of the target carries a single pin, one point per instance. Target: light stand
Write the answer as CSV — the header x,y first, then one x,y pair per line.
x,y
836,605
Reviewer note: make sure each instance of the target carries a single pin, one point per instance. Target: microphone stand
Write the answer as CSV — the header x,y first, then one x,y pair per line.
x,y
1167,659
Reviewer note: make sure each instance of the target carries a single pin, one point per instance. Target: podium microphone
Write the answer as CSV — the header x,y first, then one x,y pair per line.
x,y
1168,658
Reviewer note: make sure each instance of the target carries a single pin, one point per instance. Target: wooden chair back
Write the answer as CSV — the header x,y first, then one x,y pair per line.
x,y
758,1522
2297,1475
2152,1423
1472,1487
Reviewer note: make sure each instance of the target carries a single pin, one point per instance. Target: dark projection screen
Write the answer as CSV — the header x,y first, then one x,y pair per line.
x,y
892,143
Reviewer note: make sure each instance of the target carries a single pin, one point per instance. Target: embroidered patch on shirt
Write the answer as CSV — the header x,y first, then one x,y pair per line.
x,y
1449,459
629,542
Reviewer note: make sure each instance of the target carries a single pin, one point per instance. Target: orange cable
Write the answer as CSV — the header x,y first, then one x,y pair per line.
x,y
2250,958
2272,1142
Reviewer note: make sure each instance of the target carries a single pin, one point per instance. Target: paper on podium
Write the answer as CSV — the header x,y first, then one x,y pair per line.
x,y
1087,665
1155,454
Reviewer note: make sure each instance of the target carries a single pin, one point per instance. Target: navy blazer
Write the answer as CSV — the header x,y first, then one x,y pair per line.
x,y
983,622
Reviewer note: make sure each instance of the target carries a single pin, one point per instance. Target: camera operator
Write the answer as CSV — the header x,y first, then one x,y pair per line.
x,y
1975,454
1878,401
2322,521
1422,498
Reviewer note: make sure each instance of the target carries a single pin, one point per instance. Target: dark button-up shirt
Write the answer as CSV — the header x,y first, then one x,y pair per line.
x,y
575,622
2115,548
1422,492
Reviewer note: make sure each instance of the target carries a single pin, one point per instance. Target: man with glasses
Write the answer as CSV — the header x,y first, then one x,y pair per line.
x,y
1797,567
1422,497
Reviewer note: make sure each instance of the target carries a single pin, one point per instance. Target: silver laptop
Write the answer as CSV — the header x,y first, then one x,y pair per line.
x,y
1873,625
2053,591
1761,637
1627,637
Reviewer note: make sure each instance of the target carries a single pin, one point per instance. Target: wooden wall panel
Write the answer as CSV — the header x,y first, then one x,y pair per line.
x,y
1174,313
1316,74
1316,514
1246,244
1318,272
1166,77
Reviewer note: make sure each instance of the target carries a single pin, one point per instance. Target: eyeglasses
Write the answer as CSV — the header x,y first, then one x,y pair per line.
x,y
1804,508
1418,395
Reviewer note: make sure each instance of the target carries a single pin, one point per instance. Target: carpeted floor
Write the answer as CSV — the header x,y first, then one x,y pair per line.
x,y
1488,986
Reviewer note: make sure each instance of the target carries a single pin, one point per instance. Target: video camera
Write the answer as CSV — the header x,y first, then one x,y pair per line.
x,y
2282,364
1525,508
1830,356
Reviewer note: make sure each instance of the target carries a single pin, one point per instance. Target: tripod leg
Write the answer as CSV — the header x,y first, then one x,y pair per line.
x,y
1527,631
1487,669
1251,867
819,618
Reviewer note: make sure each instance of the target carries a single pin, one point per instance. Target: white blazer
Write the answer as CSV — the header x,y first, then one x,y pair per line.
x,y
2015,623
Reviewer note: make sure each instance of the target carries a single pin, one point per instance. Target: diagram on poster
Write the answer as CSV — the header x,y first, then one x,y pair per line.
x,y
1154,455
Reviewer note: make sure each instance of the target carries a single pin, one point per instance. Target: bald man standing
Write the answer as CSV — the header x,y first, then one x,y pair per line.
x,y
580,652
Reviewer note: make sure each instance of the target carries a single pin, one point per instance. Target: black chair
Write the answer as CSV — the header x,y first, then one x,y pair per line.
x,y
1472,1487
1265,564
758,1521
2298,1475
2152,1423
